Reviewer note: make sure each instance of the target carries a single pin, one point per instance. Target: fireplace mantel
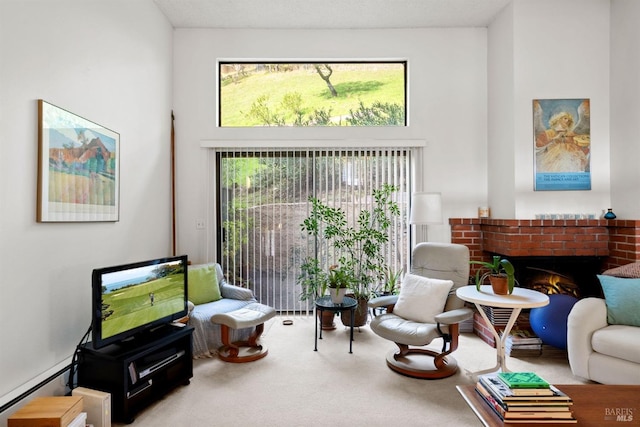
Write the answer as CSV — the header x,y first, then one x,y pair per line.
x,y
617,241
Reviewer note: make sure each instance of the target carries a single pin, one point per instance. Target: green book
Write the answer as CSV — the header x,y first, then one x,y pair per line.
x,y
522,380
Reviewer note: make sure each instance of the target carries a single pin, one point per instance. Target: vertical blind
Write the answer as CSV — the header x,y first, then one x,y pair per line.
x,y
263,198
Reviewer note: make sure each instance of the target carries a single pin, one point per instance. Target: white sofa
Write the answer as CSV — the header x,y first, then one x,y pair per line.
x,y
207,337
598,351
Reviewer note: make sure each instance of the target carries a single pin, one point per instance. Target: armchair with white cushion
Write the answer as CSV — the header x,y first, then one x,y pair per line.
x,y
426,309
603,334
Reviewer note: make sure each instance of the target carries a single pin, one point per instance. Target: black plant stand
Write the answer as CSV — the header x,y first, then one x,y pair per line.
x,y
324,304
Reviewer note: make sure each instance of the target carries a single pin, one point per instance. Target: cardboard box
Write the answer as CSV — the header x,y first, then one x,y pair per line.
x,y
97,405
56,411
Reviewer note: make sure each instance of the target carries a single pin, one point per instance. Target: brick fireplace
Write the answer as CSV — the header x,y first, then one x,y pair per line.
x,y
585,246
617,242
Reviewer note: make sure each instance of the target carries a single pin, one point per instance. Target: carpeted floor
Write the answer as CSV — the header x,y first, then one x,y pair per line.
x,y
295,386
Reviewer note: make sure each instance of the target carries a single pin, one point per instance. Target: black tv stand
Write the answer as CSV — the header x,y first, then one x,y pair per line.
x,y
140,371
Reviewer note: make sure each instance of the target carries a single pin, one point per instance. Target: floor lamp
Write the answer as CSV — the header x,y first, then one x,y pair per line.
x,y
426,208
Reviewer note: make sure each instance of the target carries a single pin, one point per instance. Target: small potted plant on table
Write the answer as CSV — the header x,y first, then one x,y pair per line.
x,y
314,281
339,281
501,274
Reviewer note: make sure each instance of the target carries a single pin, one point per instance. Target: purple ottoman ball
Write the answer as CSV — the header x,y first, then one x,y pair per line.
x,y
550,322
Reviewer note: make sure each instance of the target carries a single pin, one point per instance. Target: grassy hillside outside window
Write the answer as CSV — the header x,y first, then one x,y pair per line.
x,y
255,94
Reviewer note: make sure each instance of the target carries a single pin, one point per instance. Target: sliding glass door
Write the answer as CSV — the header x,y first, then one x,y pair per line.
x,y
263,199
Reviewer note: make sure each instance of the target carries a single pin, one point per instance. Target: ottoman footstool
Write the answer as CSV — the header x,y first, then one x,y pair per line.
x,y
252,315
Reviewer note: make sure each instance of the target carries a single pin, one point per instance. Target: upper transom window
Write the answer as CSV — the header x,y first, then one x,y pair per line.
x,y
312,93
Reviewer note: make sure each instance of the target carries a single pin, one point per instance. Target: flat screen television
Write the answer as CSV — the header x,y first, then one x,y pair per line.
x,y
130,299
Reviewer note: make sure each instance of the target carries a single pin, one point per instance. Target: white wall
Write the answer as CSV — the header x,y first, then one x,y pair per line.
x,y
625,108
560,50
501,116
447,108
108,61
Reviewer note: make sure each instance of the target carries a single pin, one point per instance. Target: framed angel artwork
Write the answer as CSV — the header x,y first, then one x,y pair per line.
x,y
562,144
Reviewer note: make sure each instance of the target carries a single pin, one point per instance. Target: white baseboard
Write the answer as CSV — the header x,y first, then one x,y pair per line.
x,y
54,387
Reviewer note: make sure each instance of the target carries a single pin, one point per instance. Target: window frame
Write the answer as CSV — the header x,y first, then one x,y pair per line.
x,y
220,63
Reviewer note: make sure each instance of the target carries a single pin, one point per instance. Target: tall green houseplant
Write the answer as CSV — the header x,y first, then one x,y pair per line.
x,y
357,247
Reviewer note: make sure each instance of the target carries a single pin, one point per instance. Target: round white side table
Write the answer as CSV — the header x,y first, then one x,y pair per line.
x,y
519,299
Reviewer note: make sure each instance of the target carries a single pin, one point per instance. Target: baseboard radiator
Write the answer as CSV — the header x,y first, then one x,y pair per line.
x,y
33,389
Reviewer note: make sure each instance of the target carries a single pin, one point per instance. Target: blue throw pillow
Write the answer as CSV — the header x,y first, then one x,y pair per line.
x,y
622,297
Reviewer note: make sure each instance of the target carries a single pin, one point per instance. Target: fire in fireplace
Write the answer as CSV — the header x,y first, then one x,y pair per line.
x,y
551,282
576,276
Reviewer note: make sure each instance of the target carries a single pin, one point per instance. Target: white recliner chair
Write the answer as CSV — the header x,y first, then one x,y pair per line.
x,y
426,309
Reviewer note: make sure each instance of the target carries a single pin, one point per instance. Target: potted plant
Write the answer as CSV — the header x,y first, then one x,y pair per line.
x,y
356,246
338,282
314,282
501,274
312,279
391,282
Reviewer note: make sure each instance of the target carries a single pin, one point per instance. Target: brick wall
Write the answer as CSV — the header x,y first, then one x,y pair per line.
x,y
618,241
624,242
481,329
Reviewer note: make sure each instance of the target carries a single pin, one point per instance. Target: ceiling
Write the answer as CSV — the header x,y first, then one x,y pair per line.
x,y
329,14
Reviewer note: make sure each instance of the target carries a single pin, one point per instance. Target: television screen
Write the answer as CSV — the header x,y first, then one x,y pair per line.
x,y
133,298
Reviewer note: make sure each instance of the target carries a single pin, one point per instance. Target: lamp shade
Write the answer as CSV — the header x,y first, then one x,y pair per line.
x,y
426,208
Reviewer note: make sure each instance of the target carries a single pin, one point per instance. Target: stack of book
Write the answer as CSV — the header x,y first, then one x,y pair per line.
x,y
524,397
497,316
523,343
